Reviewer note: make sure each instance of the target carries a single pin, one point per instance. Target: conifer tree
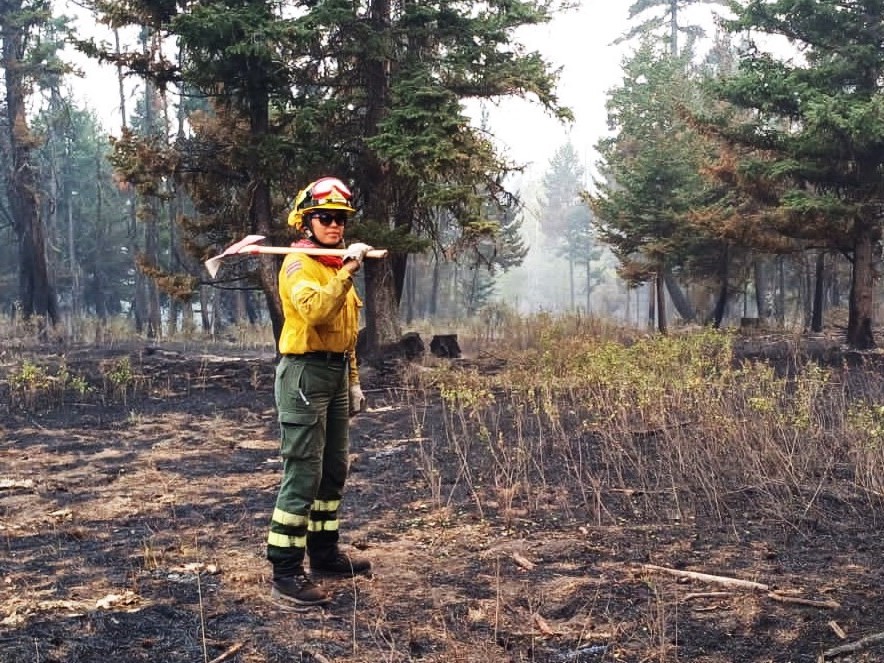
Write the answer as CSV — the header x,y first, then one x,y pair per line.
x,y
650,173
29,56
812,129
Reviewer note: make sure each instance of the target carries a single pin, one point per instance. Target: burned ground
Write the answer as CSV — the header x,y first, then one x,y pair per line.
x,y
133,526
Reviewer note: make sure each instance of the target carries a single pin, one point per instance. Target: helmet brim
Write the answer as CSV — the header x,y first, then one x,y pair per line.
x,y
337,206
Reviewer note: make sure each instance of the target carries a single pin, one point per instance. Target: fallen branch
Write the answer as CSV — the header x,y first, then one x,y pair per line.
x,y
542,625
230,651
705,577
835,626
852,647
705,595
800,601
523,561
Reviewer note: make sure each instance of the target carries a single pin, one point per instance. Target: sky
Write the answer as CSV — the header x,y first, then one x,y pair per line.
x,y
580,42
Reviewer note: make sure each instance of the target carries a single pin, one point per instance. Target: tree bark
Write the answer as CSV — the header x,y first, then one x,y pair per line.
x,y
433,304
762,290
260,212
662,323
382,325
781,290
723,292
862,301
571,283
382,288
150,220
679,300
36,290
819,289
652,302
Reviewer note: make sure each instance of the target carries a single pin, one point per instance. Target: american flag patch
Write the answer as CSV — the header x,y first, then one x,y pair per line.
x,y
293,267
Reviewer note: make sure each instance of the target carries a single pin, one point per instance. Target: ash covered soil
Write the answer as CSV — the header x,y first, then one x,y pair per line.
x,y
133,529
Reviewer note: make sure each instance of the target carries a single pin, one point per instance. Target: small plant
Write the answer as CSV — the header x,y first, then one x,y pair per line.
x,y
31,383
66,380
868,420
27,383
121,377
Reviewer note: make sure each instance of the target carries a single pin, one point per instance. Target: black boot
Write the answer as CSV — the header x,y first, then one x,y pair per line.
x,y
326,557
297,591
337,563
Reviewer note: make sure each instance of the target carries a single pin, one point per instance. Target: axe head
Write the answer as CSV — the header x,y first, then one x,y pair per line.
x,y
214,264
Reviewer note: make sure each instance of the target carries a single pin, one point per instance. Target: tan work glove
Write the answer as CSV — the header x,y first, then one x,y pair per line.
x,y
356,252
357,399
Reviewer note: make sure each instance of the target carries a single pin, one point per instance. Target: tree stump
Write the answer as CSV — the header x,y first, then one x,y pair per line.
x,y
445,346
412,346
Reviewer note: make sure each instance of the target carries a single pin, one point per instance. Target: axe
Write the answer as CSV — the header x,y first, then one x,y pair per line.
x,y
249,246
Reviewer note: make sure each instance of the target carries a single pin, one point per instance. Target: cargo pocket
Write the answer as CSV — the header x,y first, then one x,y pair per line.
x,y
287,384
300,437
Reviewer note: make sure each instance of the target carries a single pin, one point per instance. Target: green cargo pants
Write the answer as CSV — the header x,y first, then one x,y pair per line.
x,y
312,401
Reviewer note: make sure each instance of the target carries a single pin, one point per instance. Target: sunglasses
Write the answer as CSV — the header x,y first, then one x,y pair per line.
x,y
327,218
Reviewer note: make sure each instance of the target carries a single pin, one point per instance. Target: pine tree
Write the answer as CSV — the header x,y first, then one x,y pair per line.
x,y
30,45
651,173
814,137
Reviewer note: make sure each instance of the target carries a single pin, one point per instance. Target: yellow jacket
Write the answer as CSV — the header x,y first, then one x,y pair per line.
x,y
321,309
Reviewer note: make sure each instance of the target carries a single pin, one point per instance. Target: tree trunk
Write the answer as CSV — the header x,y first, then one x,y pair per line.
x,y
260,212
150,221
679,300
571,283
816,317
723,291
407,303
762,291
99,280
434,291
720,304
662,323
382,325
652,300
36,290
588,286
151,254
382,289
139,298
860,317
781,290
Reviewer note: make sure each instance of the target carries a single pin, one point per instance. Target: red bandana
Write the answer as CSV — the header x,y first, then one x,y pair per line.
x,y
335,262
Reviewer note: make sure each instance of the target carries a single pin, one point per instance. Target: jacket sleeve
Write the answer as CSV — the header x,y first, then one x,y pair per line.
x,y
318,304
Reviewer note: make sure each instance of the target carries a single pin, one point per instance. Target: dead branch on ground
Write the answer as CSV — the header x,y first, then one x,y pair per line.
x,y
230,651
800,601
852,647
721,580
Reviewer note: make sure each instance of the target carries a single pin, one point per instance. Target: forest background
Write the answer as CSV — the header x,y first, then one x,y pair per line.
x,y
565,471
732,183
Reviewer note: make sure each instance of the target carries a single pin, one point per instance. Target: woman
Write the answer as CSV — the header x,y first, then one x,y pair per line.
x,y
317,390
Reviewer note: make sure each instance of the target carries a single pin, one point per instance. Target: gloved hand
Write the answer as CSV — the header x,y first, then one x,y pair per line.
x,y
357,399
356,252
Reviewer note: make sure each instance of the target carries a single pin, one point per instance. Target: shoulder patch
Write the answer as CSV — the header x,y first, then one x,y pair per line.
x,y
293,267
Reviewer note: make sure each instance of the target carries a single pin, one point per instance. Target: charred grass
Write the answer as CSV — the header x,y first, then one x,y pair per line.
x,y
519,503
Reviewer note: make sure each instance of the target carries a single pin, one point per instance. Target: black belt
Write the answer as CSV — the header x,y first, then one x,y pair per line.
x,y
324,356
